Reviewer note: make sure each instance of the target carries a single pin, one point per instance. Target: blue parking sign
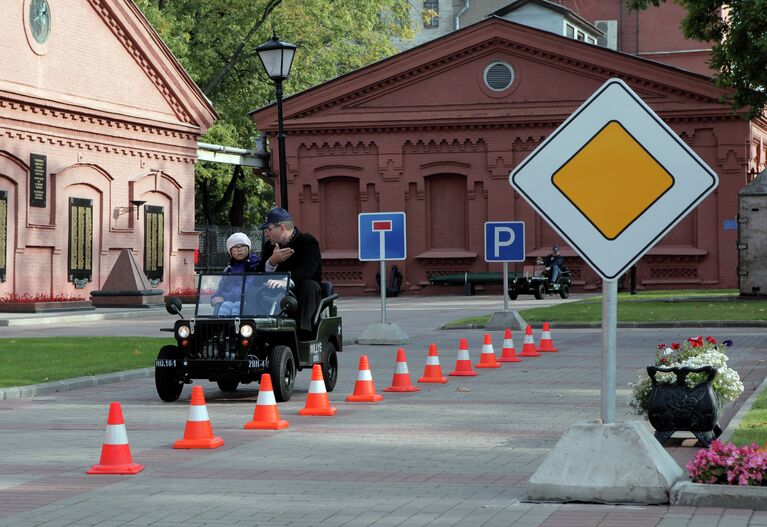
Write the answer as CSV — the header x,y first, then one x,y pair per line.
x,y
382,236
505,241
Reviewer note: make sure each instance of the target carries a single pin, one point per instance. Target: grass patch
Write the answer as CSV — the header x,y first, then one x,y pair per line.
x,y
34,360
753,427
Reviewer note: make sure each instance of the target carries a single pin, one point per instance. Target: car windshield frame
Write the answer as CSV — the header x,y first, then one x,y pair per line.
x,y
251,295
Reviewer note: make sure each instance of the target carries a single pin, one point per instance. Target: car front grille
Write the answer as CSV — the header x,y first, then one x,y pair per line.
x,y
214,342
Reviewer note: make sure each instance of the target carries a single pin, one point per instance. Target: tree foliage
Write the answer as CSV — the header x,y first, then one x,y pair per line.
x,y
215,40
739,49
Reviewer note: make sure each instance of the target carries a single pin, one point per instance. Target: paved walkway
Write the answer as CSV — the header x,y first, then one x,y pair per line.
x,y
455,454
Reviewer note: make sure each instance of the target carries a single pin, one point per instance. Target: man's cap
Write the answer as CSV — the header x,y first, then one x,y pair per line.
x,y
236,239
275,216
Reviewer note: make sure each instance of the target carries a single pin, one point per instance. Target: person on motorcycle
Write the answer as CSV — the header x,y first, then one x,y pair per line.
x,y
553,263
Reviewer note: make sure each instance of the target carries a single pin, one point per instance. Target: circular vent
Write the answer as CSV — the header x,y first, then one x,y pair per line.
x,y
499,76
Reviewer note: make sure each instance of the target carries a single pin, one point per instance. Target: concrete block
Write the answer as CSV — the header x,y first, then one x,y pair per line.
x,y
615,463
384,333
687,493
506,319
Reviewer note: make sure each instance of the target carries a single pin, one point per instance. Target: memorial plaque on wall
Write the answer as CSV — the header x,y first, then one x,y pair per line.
x,y
3,233
38,179
154,241
80,266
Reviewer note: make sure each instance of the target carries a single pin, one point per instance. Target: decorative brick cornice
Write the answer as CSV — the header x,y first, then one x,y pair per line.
x,y
104,11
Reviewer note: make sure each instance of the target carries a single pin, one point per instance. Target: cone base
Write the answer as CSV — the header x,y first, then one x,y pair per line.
x,y
132,468
548,349
529,353
410,388
282,424
436,380
463,373
318,411
510,359
213,442
367,398
480,365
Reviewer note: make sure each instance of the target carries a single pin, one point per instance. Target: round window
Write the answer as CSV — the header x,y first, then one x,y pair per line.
x,y
499,76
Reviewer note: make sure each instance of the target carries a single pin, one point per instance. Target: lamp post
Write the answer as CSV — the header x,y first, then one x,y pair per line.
x,y
276,58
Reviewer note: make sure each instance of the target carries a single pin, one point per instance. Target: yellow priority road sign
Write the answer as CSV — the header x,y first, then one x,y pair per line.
x,y
613,179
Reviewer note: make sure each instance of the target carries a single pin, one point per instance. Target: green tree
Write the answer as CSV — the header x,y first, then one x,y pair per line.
x,y
215,41
739,49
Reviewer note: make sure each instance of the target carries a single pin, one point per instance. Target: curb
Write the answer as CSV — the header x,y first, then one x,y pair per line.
x,y
34,390
741,413
691,494
53,318
639,325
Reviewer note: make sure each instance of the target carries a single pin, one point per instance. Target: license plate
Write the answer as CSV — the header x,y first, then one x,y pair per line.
x,y
165,363
256,363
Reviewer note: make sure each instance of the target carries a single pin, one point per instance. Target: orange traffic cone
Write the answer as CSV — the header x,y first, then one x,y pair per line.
x,y
198,432
266,416
433,371
546,343
364,388
528,348
317,401
400,381
508,354
115,452
463,362
487,358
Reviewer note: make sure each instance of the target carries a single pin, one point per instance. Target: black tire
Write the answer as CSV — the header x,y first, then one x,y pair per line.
x,y
166,381
513,295
283,372
228,385
540,290
330,366
564,290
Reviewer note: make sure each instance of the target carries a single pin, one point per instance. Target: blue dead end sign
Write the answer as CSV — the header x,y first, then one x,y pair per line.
x,y
505,241
382,236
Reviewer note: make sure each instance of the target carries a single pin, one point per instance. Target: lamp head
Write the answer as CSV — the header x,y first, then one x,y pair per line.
x,y
276,58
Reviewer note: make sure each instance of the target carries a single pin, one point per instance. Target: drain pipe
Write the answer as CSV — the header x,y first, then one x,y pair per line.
x,y
463,10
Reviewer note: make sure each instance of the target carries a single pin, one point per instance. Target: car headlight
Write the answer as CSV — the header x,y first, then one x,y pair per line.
x,y
183,332
246,331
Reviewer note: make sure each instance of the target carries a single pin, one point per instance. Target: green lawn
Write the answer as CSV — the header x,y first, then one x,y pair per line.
x,y
35,360
753,427
649,306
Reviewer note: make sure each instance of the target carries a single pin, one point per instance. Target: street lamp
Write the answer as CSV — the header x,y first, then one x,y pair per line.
x,y
276,58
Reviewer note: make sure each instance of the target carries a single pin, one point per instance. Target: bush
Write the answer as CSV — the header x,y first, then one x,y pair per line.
x,y
729,465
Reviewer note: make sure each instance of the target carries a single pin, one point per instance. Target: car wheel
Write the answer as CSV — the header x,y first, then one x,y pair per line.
x,y
564,291
283,372
228,385
513,295
166,381
330,366
540,290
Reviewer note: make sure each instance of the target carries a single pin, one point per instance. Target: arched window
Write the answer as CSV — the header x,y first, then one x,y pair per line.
x,y
446,211
340,198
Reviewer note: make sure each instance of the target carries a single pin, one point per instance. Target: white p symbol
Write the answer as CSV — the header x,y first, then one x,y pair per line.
x,y
499,242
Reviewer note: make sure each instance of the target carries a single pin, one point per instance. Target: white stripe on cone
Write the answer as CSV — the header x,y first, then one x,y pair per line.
x,y
508,343
198,413
266,398
115,435
317,387
401,368
529,339
546,335
463,355
364,375
488,348
432,360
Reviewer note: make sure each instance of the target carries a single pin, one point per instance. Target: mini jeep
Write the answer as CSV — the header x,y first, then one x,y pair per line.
x,y
257,336
538,284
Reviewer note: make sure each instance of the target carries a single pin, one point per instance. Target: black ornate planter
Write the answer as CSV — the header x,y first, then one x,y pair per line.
x,y
675,407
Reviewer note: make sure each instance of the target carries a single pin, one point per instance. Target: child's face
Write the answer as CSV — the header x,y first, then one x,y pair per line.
x,y
239,251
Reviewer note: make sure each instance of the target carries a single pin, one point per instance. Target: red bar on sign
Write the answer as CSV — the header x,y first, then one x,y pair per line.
x,y
383,225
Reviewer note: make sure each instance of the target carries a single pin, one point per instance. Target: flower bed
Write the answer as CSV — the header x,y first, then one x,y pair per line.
x,y
729,465
187,295
26,303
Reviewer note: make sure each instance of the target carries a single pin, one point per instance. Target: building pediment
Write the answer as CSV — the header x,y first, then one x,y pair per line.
x,y
101,58
443,81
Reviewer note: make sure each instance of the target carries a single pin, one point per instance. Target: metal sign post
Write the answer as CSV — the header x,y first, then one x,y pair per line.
x,y
609,348
505,242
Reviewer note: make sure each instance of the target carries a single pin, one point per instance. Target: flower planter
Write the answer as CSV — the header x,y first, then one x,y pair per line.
x,y
676,407
39,307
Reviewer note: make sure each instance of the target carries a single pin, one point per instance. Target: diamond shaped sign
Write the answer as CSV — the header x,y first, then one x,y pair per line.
x,y
613,179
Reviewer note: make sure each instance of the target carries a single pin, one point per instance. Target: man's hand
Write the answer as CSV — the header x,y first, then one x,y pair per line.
x,y
216,300
280,255
272,284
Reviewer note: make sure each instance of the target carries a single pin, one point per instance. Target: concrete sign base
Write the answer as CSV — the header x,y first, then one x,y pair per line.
x,y
614,463
384,333
506,319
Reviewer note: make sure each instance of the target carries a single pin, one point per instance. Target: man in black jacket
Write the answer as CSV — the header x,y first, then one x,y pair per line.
x,y
286,249
553,263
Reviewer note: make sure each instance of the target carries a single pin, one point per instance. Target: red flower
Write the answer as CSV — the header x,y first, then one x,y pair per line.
x,y
674,345
661,346
711,340
696,342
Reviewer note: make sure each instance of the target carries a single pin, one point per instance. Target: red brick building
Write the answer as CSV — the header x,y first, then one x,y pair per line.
x,y
435,131
95,113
